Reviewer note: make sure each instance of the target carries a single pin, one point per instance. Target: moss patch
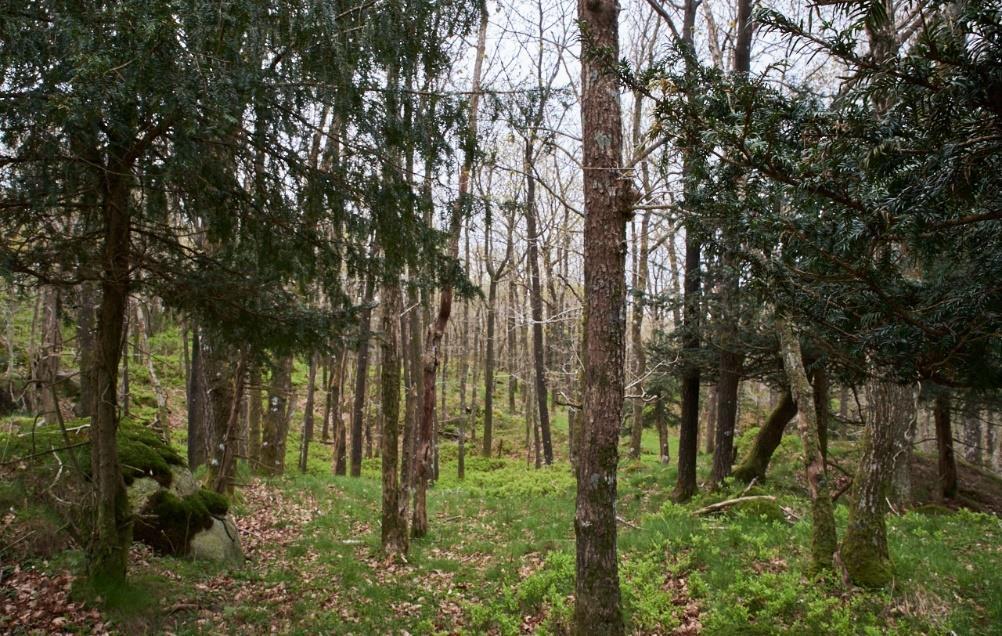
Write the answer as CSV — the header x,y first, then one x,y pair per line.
x,y
168,522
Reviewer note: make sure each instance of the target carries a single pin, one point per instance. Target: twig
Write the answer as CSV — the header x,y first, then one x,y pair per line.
x,y
627,523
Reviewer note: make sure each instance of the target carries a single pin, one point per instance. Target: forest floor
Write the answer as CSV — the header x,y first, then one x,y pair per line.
x,y
499,559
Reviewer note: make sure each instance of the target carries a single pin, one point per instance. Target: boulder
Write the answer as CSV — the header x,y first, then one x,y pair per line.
x,y
175,516
220,543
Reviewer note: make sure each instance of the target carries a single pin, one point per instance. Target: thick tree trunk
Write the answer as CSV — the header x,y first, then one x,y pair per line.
x,y
709,437
944,447
688,438
756,462
864,551
823,537
112,530
608,195
394,531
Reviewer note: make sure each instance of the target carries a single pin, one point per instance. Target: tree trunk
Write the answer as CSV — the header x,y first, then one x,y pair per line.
x,y
433,340
394,525
864,551
639,355
769,436
536,305
361,375
276,419
512,342
304,448
709,438
108,548
944,446
87,349
823,537
728,384
608,195
254,415
488,440
47,367
198,443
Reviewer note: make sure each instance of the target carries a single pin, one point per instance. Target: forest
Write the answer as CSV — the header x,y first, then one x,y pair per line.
x,y
517,317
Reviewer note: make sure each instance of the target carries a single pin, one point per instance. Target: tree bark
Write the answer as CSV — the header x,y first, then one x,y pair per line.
x,y
433,340
361,375
608,195
823,537
754,465
254,415
112,530
304,447
198,452
864,551
639,355
276,420
394,531
944,446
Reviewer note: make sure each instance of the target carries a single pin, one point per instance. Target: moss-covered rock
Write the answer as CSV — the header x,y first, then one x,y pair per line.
x,y
168,523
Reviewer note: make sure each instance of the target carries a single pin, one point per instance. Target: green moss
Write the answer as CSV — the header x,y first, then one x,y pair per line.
x,y
864,551
168,522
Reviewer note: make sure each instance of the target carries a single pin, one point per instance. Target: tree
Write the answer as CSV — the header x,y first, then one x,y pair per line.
x,y
608,198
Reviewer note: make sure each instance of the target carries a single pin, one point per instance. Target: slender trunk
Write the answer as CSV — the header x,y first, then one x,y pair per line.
x,y
709,438
224,468
488,440
112,530
661,421
944,447
607,192
304,448
47,367
361,375
536,305
864,551
254,415
823,537
276,420
433,340
86,348
688,439
511,341
728,384
143,330
394,524
198,445
639,355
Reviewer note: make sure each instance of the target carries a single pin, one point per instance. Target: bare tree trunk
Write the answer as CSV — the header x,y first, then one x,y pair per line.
x,y
823,537
436,330
108,548
944,446
639,355
608,197
394,525
512,343
864,551
47,366
361,375
276,421
86,348
754,465
304,447
254,415
709,438
162,421
198,442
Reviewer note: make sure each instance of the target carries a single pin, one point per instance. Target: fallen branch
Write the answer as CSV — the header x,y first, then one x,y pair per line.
x,y
627,523
722,505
